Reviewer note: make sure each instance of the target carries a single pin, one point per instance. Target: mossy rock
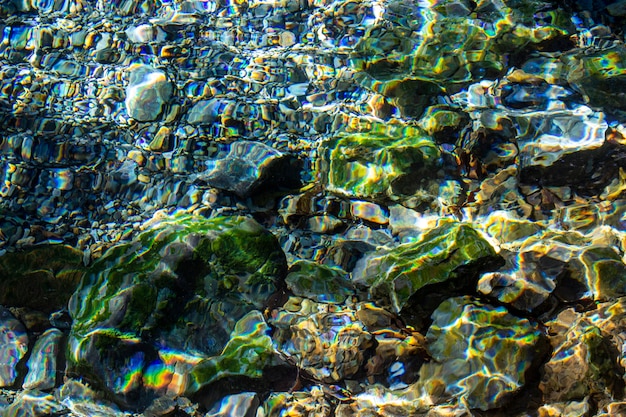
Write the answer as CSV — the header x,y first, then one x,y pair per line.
x,y
247,352
448,252
41,278
181,286
380,167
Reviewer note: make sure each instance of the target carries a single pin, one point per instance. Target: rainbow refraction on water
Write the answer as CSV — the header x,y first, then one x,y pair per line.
x,y
329,208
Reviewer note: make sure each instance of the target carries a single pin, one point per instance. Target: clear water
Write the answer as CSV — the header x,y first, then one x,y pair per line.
x,y
391,147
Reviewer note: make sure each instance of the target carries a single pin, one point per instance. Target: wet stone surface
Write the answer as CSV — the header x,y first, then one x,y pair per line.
x,y
312,208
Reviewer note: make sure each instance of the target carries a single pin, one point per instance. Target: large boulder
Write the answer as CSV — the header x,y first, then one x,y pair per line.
x,y
184,292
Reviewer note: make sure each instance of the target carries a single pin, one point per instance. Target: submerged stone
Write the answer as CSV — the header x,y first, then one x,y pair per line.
x,y
449,252
319,282
591,271
244,404
247,352
584,364
42,364
600,75
572,152
379,167
378,400
460,43
148,311
602,270
309,403
170,405
13,346
242,167
481,353
588,358
615,408
147,93
42,278
332,342
566,409
79,399
328,343
34,403
525,281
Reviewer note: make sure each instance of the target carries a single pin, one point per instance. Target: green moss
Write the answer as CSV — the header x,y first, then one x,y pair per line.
x,y
141,305
244,250
182,284
377,167
42,278
248,351
401,272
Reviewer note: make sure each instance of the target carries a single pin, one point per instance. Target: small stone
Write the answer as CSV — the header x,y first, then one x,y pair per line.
x,y
369,211
147,93
613,409
244,404
83,401
13,346
34,403
566,409
309,403
42,364
324,224
286,38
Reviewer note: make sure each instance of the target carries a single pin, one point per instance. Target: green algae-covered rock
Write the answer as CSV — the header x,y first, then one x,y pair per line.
x,y
42,278
248,350
170,299
380,167
600,76
438,256
456,45
481,353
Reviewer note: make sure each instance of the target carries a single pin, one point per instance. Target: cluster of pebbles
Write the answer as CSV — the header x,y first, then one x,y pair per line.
x,y
312,208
